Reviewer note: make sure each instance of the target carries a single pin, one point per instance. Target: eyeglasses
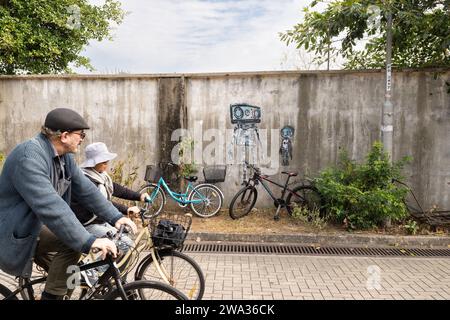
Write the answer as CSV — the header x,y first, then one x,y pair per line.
x,y
82,134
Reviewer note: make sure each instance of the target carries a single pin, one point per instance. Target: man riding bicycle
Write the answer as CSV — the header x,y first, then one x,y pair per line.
x,y
38,178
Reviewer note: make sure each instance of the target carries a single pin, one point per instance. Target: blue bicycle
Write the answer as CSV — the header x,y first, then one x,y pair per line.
x,y
204,199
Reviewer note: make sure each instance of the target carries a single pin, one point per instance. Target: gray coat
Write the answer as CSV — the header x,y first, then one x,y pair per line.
x,y
28,200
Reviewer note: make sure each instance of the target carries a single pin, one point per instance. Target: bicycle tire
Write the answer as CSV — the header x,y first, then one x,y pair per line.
x,y
307,197
154,208
5,292
141,290
245,197
192,282
214,200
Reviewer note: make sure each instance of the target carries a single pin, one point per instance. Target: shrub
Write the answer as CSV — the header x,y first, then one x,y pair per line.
x,y
125,177
411,227
363,195
312,217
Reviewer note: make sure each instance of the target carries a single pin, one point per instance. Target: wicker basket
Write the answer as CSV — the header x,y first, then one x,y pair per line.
x,y
215,174
154,172
170,230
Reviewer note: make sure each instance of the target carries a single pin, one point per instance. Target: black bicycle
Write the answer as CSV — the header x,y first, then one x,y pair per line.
x,y
304,196
110,285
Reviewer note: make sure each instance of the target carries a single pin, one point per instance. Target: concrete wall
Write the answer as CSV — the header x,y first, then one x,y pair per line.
x,y
329,111
333,111
123,113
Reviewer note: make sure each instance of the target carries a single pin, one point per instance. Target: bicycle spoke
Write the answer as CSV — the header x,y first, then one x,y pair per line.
x,y
243,202
181,271
211,200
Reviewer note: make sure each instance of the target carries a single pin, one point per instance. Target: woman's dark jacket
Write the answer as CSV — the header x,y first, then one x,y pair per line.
x,y
84,215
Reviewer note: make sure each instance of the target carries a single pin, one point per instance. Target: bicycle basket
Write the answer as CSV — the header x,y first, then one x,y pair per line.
x,y
153,173
170,230
215,174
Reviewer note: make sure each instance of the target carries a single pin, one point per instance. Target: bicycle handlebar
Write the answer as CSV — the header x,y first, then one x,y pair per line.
x,y
252,167
112,237
164,165
119,234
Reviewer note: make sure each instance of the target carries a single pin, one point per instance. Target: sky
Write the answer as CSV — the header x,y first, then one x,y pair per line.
x,y
193,36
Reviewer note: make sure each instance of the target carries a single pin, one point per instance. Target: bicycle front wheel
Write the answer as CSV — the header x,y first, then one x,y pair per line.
x,y
147,290
243,202
159,200
206,200
181,271
307,197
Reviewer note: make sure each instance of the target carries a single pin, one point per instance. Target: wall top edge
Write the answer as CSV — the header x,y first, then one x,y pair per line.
x,y
213,74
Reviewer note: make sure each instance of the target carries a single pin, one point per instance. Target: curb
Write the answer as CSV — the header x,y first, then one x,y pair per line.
x,y
328,240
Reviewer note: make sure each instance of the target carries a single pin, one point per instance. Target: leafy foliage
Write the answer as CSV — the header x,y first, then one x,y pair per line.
x,y
186,165
312,217
411,227
45,36
125,173
421,32
363,195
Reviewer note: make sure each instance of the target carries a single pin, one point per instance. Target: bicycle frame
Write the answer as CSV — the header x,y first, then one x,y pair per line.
x,y
279,202
28,286
143,242
180,198
261,179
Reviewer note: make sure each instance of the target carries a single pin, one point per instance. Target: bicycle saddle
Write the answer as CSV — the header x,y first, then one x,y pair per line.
x,y
291,174
191,178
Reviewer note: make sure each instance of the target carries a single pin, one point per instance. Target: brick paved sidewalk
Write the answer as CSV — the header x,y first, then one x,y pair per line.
x,y
231,276
268,277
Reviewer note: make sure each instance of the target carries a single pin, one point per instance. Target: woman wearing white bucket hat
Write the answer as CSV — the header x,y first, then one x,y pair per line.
x,y
96,153
95,168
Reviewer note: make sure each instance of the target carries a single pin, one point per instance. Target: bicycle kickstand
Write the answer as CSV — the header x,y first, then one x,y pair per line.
x,y
276,217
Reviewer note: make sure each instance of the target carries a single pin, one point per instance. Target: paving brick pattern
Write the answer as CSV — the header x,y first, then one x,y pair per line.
x,y
231,276
268,277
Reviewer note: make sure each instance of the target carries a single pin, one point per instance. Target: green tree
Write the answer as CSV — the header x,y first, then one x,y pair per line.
x,y
356,30
45,36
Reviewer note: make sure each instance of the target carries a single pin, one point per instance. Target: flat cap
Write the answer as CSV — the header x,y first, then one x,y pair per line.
x,y
64,119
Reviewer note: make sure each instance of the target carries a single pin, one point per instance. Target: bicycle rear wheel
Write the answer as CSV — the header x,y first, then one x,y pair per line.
x,y
147,290
159,200
243,202
182,271
210,197
307,197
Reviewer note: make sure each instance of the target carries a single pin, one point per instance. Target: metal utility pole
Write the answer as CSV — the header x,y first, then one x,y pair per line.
x,y
329,45
387,127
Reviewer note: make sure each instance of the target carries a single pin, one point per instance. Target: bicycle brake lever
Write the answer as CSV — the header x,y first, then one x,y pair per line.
x,y
110,235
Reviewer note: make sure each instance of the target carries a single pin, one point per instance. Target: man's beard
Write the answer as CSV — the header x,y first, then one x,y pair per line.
x,y
70,149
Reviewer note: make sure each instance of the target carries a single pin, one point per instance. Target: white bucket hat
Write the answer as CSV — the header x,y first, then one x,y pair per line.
x,y
97,152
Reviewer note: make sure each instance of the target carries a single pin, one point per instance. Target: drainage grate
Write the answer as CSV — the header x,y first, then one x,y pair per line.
x,y
293,249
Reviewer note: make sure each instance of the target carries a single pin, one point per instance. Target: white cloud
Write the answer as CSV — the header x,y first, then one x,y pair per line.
x,y
166,36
